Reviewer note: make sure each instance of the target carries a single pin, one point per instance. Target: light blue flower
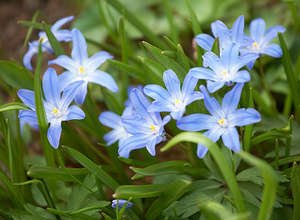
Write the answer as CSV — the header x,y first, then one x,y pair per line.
x,y
120,203
260,38
82,68
174,99
114,121
56,104
224,69
226,36
146,130
61,35
222,121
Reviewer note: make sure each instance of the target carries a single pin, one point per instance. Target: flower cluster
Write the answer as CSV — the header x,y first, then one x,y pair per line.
x,y
142,124
61,90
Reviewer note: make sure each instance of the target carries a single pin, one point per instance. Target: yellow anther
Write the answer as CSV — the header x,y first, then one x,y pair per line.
x,y
255,45
55,111
222,121
224,73
153,128
81,69
177,101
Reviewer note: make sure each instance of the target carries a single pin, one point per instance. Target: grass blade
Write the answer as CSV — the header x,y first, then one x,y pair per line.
x,y
13,106
295,184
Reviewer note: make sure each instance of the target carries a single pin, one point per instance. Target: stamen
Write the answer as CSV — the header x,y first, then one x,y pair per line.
x,y
177,102
222,122
153,128
55,111
81,69
255,45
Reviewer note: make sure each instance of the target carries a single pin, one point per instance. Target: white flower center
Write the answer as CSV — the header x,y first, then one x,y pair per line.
x,y
223,122
255,46
56,112
81,70
177,103
153,129
42,40
224,75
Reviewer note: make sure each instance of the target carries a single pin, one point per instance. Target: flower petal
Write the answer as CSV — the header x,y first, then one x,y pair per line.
x,y
133,143
110,119
205,41
75,113
157,92
172,82
112,137
196,122
28,57
98,59
213,61
257,29
139,102
104,79
210,103
58,24
151,147
51,86
65,79
201,150
238,30
271,33
53,134
232,98
218,27
79,51
203,73
65,62
242,117
157,106
28,117
189,84
273,50
214,86
241,77
76,90
231,139
27,97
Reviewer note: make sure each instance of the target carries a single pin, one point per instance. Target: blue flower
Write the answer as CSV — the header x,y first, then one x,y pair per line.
x,y
60,35
174,99
120,203
226,36
260,38
82,68
114,121
222,120
56,104
224,69
146,128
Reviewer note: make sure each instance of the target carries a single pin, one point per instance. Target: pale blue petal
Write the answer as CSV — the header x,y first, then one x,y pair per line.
x,y
218,27
210,103
214,86
157,106
53,134
65,79
28,117
205,41
203,73
213,61
63,35
177,114
230,56
257,29
214,135
81,93
196,122
104,79
133,143
238,30
28,57
75,113
172,82
273,50
231,139
79,51
27,97
271,33
201,150
232,98
151,147
110,119
243,61
112,137
241,77
98,59
70,93
189,84
139,102
166,120
65,62
157,92
136,127
251,64
58,24
194,96
51,86
242,117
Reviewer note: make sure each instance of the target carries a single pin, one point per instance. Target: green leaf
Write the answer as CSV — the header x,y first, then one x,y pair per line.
x,y
93,168
62,174
218,157
15,75
270,184
139,191
174,191
295,185
30,29
13,106
58,50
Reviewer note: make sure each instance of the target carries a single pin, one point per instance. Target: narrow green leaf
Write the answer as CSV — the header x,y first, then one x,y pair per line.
x,y
218,157
15,75
124,41
174,191
169,13
58,50
295,185
62,174
270,184
13,106
248,128
99,205
93,168
30,29
139,191
32,24
40,111
290,75
122,9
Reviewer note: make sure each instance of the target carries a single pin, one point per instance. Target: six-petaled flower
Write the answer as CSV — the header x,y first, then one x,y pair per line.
x,y
222,121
